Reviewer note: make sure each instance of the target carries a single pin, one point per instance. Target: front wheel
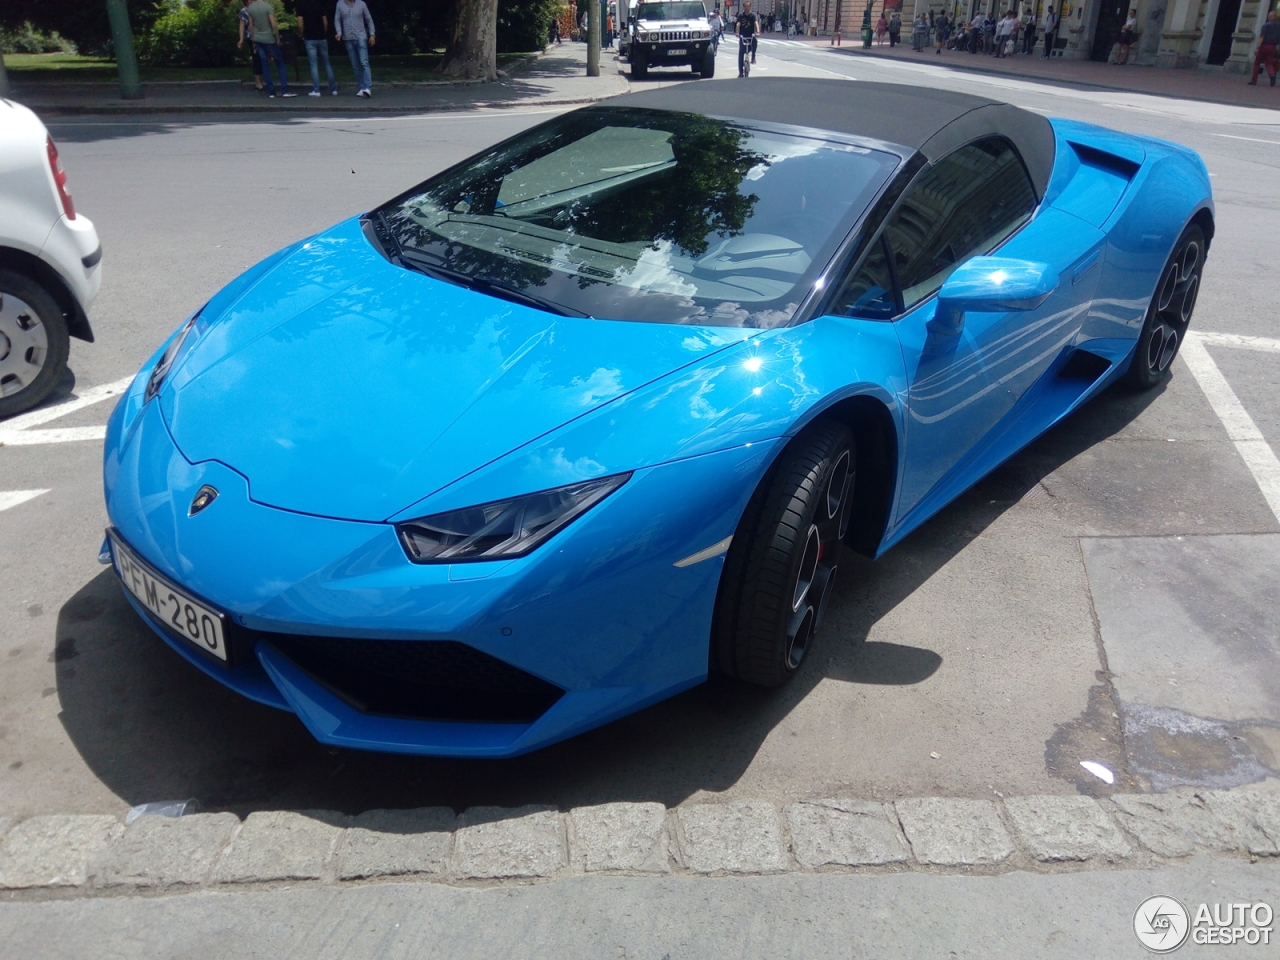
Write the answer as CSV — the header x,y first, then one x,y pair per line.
x,y
34,343
639,68
781,565
709,64
1169,314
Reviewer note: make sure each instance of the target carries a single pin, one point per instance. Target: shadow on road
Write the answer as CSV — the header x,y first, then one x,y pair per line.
x,y
152,727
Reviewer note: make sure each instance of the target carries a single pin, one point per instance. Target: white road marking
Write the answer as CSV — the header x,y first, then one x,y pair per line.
x,y
11,498
1253,447
17,431
1264,344
1217,114
1250,139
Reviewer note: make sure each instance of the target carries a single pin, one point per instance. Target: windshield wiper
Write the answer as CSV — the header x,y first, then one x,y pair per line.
x,y
430,266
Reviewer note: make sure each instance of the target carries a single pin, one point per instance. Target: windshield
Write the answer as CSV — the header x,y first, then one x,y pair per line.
x,y
684,10
632,214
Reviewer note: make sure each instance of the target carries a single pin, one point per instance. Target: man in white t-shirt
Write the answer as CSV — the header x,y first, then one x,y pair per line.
x,y
1050,31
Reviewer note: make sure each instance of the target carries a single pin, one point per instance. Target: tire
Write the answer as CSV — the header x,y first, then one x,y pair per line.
x,y
639,68
1169,314
33,343
708,64
781,565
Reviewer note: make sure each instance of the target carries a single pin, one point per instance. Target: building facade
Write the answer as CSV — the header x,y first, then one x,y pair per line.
x,y
1208,34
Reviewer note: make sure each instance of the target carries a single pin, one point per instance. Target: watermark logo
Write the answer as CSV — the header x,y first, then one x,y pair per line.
x,y
1161,924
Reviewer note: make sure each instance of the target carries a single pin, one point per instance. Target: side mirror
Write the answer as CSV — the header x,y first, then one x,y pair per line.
x,y
993,285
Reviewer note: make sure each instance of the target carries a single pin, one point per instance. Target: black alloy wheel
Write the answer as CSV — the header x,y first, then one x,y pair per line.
x,y
34,343
781,566
1169,314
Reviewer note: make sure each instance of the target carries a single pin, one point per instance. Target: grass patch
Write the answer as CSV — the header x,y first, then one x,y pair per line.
x,y
72,68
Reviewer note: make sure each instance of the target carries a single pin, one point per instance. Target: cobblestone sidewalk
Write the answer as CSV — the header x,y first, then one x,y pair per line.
x,y
96,855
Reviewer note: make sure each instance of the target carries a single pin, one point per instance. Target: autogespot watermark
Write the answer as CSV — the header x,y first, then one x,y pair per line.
x,y
1163,924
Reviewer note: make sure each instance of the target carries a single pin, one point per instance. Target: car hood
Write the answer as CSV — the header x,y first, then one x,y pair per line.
x,y
344,386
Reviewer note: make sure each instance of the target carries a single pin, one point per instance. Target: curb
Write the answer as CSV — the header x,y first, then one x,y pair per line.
x,y
94,855
129,109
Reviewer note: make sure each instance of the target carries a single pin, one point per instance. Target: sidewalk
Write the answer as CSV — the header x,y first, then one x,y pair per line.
x,y
556,77
1208,85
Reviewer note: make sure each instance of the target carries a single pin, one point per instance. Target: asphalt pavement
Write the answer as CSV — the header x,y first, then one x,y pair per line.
x,y
1108,595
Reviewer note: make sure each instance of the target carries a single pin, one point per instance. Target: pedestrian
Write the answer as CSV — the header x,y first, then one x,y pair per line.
x,y
608,32
919,33
1004,33
895,30
266,40
554,33
882,30
1028,32
1128,33
1050,31
353,25
941,30
746,27
1268,40
246,36
313,23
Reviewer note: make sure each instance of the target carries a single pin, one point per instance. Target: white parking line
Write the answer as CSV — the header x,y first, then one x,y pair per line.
x,y
1253,447
11,498
17,432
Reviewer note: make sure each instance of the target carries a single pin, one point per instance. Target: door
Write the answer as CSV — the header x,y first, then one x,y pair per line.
x,y
961,385
1111,17
1224,25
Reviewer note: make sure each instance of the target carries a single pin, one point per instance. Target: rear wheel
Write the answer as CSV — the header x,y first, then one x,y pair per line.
x,y
33,343
1169,314
781,565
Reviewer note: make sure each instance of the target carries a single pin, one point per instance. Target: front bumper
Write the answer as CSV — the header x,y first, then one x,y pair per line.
x,y
594,625
659,54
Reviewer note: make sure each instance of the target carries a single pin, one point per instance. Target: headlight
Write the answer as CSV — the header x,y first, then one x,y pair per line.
x,y
163,365
505,528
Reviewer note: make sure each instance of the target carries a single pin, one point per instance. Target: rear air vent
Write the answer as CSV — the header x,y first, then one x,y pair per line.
x,y
1107,161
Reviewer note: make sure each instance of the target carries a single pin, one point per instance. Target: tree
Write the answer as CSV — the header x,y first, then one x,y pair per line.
x,y
472,53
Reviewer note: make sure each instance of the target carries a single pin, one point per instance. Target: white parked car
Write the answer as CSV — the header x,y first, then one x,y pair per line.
x,y
49,263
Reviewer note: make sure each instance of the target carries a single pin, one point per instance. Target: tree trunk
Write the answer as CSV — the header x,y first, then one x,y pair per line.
x,y
4,78
473,52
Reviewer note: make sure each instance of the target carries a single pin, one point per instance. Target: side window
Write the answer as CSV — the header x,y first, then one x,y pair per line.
x,y
869,291
962,206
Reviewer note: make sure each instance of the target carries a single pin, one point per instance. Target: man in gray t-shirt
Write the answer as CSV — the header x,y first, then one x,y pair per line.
x,y
265,33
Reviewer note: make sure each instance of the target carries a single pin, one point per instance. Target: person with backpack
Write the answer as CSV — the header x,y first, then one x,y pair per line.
x,y
245,28
1050,31
895,30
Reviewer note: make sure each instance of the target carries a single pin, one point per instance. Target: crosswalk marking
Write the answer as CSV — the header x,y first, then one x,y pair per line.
x,y
1252,446
11,498
17,432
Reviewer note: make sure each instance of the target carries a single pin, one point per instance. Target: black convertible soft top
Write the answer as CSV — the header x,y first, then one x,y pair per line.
x,y
934,122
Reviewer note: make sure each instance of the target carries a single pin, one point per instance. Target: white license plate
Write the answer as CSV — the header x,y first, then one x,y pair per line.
x,y
677,53
188,618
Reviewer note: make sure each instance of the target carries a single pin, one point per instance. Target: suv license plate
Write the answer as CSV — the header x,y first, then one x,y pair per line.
x,y
188,618
679,52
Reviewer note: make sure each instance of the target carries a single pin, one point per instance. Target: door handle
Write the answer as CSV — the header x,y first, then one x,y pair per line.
x,y
1085,266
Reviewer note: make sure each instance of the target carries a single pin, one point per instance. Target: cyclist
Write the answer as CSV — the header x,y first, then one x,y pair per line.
x,y
716,22
746,28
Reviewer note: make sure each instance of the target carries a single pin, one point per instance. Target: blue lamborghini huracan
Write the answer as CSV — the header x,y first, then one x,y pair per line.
x,y
556,432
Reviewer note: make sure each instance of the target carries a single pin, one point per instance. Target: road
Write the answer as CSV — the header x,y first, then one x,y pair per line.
x,y
993,635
